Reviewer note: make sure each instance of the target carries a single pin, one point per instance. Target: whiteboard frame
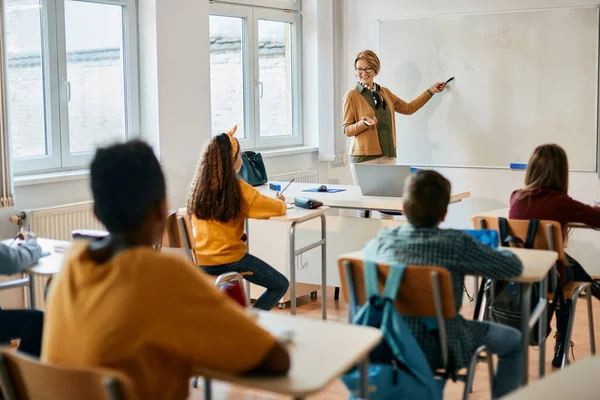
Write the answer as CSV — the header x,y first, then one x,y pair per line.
x,y
597,7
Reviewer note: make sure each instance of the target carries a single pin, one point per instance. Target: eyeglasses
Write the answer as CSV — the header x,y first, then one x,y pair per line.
x,y
367,70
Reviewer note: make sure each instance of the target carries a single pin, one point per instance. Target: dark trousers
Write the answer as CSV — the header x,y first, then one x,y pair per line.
x,y
262,274
26,325
575,272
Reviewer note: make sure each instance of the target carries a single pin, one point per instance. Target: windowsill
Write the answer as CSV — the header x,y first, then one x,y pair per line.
x,y
81,174
51,177
289,151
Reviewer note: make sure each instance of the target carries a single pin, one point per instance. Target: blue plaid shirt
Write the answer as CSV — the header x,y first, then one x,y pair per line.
x,y
461,255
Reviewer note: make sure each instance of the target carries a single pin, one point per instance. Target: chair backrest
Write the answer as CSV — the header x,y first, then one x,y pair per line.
x,y
178,233
232,283
548,236
415,296
23,378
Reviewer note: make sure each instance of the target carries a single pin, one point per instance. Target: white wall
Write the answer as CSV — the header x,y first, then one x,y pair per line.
x,y
175,103
490,189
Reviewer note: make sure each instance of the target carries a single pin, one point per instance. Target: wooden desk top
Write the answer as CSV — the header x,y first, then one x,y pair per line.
x,y
315,362
536,263
576,381
351,197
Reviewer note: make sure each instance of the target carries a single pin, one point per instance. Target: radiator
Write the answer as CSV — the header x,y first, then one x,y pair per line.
x,y
58,223
308,176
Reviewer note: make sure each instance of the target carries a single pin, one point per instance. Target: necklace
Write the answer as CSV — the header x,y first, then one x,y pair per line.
x,y
377,99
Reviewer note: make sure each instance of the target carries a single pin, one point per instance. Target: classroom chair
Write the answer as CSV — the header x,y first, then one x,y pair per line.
x,y
425,291
22,377
182,235
178,233
549,237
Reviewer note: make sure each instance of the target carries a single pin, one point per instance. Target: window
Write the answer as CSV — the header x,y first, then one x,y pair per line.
x,y
71,79
255,81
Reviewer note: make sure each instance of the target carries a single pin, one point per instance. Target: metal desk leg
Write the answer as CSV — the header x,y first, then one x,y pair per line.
x,y
247,229
207,389
324,266
364,379
32,303
525,313
543,326
293,267
295,253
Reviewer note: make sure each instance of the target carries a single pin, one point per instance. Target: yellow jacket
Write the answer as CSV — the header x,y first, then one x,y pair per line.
x,y
219,243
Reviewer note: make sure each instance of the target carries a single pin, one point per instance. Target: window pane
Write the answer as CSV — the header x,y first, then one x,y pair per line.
x,y
227,75
95,70
25,79
275,71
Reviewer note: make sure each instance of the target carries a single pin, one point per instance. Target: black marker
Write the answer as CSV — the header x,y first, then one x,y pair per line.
x,y
449,80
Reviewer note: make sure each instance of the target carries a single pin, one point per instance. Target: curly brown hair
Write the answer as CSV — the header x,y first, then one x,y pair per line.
x,y
215,193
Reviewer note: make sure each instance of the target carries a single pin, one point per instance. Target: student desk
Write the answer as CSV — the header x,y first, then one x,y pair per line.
x,y
46,266
351,198
294,217
345,233
576,381
315,361
536,265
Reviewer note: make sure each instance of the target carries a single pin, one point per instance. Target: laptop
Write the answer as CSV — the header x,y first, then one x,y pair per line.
x,y
382,180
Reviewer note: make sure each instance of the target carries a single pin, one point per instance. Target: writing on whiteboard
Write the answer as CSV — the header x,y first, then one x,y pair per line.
x,y
441,51
497,39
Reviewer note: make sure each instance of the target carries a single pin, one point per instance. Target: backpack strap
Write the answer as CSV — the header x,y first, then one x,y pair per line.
x,y
371,281
392,283
506,239
531,232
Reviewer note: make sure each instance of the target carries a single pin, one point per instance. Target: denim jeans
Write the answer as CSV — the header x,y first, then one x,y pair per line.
x,y
262,274
505,342
26,325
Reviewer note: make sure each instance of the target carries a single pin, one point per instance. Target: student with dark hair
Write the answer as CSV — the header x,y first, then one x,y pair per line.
x,y
25,325
545,196
118,303
422,242
218,204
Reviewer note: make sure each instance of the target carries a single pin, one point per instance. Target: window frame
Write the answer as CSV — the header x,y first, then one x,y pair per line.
x,y
56,105
250,57
295,5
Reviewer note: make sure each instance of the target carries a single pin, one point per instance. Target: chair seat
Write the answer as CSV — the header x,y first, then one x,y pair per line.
x,y
569,289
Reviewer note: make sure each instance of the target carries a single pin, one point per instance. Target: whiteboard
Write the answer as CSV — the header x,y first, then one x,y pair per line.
x,y
523,78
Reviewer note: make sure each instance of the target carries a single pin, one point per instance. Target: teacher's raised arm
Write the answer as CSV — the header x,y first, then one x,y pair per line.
x,y
369,114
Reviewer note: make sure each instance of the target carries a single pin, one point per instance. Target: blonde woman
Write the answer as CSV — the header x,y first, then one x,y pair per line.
x,y
369,111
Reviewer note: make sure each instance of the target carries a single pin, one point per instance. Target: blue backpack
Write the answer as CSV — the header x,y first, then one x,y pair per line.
x,y
398,368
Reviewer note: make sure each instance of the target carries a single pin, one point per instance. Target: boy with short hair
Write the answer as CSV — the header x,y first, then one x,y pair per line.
x,y
119,304
422,242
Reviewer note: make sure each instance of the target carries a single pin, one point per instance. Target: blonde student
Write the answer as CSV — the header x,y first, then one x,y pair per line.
x,y
219,202
119,304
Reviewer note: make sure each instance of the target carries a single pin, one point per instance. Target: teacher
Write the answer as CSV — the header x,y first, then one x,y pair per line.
x,y
369,115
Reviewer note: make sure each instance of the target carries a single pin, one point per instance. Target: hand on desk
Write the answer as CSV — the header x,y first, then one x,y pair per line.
x,y
280,197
